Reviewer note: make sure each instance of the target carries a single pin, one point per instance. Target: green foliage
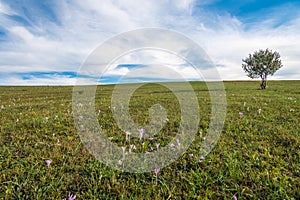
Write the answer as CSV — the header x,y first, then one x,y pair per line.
x,y
257,156
262,64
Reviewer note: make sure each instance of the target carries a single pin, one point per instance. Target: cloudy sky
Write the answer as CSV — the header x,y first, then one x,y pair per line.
x,y
47,42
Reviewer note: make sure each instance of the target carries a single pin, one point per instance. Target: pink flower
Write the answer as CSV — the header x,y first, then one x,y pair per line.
x,y
150,138
141,131
48,162
147,152
241,114
234,197
157,145
70,197
172,145
156,171
127,135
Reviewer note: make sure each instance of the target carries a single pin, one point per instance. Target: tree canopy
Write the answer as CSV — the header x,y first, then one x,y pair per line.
x,y
262,64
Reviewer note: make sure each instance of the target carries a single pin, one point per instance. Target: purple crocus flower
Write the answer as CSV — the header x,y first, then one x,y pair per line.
x,y
127,135
156,171
141,131
70,197
48,162
157,145
172,145
241,114
235,198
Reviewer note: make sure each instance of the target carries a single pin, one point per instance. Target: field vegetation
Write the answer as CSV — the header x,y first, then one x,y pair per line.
x,y
257,156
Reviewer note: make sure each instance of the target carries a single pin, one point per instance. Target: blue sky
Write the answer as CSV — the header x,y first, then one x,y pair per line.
x,y
46,42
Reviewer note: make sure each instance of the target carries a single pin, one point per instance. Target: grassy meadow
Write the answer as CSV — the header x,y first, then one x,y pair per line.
x,y
257,156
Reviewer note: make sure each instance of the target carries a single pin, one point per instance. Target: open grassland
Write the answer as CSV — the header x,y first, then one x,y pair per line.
x,y
257,156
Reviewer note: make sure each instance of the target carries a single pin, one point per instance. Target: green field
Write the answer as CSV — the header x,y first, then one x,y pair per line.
x,y
257,156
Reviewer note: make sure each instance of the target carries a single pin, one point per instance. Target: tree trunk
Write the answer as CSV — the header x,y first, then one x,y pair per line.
x,y
263,84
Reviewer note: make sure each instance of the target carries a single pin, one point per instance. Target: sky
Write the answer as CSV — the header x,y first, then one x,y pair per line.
x,y
48,42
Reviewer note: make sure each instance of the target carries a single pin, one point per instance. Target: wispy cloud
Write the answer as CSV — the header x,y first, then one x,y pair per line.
x,y
42,37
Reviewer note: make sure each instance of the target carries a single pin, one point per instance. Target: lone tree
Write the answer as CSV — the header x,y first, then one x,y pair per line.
x,y
261,64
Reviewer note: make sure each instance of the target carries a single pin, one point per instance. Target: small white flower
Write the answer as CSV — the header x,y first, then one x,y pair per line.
x,y
178,142
200,132
141,132
132,146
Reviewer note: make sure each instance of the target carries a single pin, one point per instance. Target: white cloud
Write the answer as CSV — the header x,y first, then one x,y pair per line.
x,y
117,71
4,9
59,80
